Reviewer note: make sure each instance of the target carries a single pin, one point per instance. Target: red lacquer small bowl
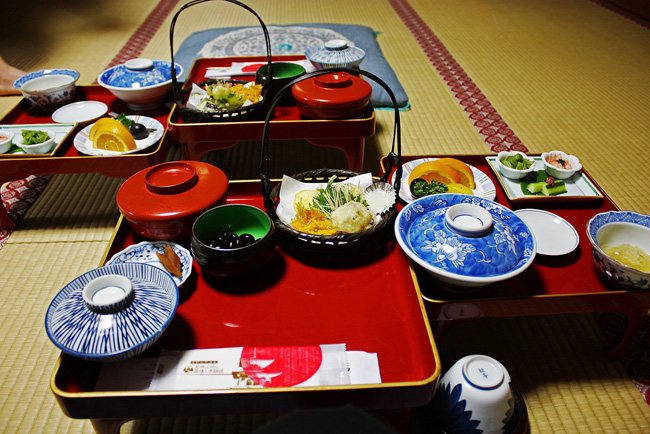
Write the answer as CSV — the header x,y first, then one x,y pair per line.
x,y
338,95
162,201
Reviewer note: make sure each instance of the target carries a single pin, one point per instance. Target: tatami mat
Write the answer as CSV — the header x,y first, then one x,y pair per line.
x,y
578,103
563,75
32,275
74,207
557,363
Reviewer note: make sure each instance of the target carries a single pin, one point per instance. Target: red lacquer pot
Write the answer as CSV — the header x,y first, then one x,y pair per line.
x,y
338,95
162,201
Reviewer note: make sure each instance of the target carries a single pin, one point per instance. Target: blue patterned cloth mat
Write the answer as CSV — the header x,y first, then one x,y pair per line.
x,y
293,40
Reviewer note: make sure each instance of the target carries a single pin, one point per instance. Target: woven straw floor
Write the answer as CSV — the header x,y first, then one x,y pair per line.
x,y
567,74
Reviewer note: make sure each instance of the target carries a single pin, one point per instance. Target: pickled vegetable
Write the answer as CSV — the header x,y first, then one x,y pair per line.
x,y
629,255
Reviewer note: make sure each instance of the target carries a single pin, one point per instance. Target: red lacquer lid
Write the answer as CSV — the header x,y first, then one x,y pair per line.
x,y
172,190
332,90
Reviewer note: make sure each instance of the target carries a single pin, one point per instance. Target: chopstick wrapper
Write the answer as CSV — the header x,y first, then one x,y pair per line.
x,y
242,368
238,69
258,367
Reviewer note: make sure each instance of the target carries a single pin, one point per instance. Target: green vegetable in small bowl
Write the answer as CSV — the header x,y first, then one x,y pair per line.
x,y
31,137
517,162
514,164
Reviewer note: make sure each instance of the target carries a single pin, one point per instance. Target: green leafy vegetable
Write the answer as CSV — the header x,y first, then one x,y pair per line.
x,y
33,137
420,188
124,120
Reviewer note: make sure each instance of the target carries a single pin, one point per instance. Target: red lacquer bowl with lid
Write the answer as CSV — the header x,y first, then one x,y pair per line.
x,y
161,202
337,95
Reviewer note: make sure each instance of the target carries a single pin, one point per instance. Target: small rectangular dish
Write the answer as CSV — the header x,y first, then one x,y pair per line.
x,y
579,186
61,131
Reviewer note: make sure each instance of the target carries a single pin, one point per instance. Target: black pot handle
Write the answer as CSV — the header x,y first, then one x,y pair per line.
x,y
269,69
394,157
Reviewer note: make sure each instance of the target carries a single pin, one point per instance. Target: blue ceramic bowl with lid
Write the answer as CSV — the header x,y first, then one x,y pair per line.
x,y
335,54
142,83
112,313
465,241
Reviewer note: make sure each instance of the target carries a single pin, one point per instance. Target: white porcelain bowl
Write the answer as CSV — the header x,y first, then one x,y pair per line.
x,y
37,148
141,83
470,252
613,229
48,89
559,173
6,140
475,395
509,172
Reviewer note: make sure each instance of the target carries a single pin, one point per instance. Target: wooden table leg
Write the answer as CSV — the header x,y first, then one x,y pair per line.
x,y
194,151
353,148
108,426
5,220
635,317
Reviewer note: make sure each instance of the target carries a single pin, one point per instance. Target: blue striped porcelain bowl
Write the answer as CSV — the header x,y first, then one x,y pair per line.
x,y
465,241
112,313
335,54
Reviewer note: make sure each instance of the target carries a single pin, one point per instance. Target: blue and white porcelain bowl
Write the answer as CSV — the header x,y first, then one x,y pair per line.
x,y
614,229
475,396
335,54
145,253
48,89
112,313
451,236
141,83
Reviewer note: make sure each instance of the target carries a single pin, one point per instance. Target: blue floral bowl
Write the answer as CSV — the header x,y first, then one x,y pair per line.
x,y
141,83
465,241
613,229
48,89
112,313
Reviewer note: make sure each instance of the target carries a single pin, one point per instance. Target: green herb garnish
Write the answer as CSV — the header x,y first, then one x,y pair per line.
x,y
331,197
33,137
420,188
124,120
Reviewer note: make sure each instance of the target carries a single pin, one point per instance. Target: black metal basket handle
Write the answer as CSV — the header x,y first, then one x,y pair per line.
x,y
269,70
394,159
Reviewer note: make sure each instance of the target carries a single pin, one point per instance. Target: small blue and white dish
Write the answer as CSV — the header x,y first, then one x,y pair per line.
x,y
335,54
465,241
145,253
112,313
614,229
48,89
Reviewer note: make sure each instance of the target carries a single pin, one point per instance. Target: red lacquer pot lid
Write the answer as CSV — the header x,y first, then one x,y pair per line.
x,y
172,190
332,90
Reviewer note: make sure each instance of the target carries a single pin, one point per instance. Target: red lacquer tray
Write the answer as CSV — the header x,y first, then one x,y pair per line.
x,y
552,285
66,158
376,308
287,123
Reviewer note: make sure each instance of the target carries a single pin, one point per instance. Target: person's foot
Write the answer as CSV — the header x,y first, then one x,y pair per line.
x,y
9,74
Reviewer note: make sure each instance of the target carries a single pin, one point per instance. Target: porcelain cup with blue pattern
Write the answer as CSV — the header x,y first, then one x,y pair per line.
x,y
475,395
